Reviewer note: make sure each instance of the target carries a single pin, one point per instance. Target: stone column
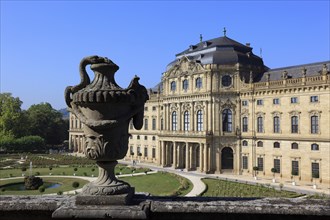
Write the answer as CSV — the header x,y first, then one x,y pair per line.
x,y
179,115
206,116
174,155
165,117
163,154
205,160
193,116
209,156
201,159
187,157
191,149
70,141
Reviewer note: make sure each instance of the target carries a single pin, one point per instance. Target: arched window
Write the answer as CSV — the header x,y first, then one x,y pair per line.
x,y
227,120
174,121
276,120
245,143
260,144
260,124
186,121
173,86
199,83
314,124
294,145
245,124
138,137
199,120
153,138
185,84
314,147
277,145
294,124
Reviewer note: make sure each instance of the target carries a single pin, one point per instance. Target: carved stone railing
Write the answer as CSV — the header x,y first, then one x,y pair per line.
x,y
321,79
148,207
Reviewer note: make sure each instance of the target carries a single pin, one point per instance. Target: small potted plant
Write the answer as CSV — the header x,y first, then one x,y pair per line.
x,y
294,173
315,176
255,169
274,170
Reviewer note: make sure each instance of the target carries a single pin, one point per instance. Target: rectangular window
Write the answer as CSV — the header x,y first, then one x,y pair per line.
x,y
294,99
277,165
315,170
314,124
260,126
145,108
161,124
138,150
295,167
153,152
276,101
244,103
314,98
245,124
276,124
245,162
131,149
145,137
154,108
146,152
294,124
260,164
145,124
153,124
260,102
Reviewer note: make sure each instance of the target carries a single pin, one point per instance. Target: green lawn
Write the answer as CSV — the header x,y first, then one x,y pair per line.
x,y
222,188
66,186
160,184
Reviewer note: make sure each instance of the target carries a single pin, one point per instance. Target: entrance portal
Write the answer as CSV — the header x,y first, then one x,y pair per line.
x,y
227,158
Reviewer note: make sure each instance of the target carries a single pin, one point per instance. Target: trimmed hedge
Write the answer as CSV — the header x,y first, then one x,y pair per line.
x,y
23,144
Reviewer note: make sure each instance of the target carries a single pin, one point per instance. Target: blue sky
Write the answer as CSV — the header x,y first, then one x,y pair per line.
x,y
42,42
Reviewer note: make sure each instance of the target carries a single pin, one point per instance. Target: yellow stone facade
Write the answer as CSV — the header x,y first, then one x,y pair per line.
x,y
217,118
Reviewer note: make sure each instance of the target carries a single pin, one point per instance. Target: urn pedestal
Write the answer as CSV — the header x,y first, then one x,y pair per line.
x,y
106,110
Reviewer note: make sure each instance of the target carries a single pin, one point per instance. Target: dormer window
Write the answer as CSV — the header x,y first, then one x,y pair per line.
x,y
192,47
205,44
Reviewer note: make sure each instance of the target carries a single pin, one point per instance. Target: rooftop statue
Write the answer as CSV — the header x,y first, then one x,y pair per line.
x,y
106,110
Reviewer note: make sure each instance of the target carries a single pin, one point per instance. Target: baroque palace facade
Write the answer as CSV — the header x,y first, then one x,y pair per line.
x,y
219,109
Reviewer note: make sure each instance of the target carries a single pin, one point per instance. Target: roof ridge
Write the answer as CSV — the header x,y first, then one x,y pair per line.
x,y
301,65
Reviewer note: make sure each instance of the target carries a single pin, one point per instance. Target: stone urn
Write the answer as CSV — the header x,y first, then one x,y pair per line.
x,y
106,110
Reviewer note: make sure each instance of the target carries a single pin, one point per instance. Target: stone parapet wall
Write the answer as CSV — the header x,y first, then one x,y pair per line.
x,y
145,207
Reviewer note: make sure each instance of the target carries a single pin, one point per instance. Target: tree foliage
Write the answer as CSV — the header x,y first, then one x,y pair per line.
x,y
47,123
22,130
11,116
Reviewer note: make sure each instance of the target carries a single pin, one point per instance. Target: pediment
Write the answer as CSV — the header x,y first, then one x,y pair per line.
x,y
184,67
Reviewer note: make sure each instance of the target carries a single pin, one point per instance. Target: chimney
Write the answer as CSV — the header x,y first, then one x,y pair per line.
x,y
248,44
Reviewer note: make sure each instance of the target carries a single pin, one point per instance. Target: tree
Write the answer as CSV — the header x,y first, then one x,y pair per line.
x,y
47,123
12,119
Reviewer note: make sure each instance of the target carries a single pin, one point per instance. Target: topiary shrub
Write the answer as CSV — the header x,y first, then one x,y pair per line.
x,y
75,184
59,193
41,189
